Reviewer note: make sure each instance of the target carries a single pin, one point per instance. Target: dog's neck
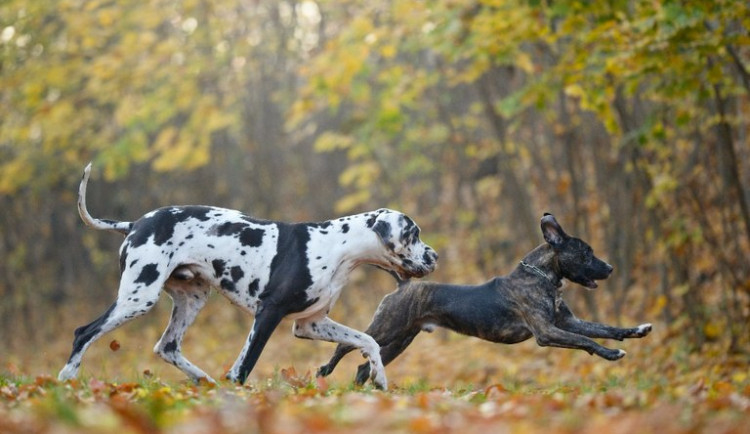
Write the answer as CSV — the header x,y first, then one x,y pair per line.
x,y
542,261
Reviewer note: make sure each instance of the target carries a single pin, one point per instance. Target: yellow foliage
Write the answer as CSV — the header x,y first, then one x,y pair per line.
x,y
331,141
13,174
388,51
352,201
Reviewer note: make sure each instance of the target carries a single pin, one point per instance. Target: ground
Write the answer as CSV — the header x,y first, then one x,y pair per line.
x,y
444,382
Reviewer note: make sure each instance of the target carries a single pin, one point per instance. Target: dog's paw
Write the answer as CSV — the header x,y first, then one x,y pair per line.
x,y
613,355
642,330
205,381
67,373
234,377
379,380
324,371
363,373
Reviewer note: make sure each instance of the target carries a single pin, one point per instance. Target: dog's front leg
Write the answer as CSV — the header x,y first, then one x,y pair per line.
x,y
597,330
567,321
265,323
324,328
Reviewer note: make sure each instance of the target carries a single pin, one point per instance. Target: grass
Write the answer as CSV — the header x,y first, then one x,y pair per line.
x,y
442,383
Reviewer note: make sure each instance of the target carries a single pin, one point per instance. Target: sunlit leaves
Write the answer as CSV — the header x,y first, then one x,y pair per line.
x,y
110,79
661,387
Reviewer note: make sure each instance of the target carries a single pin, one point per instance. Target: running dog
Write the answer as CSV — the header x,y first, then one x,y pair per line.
x,y
507,309
270,269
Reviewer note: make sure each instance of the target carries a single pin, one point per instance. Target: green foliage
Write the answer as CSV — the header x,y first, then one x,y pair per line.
x,y
120,81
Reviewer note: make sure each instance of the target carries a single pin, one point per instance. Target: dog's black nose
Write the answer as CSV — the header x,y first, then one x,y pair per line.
x,y
430,257
609,269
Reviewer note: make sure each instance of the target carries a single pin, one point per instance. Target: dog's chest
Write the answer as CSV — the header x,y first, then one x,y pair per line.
x,y
558,301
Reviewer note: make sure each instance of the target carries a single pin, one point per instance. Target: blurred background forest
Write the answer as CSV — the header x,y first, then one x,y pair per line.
x,y
627,119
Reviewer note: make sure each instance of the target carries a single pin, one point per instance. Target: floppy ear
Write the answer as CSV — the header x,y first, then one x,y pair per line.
x,y
383,229
553,233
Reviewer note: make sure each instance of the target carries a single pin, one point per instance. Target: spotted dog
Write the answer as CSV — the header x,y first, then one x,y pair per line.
x,y
507,309
270,269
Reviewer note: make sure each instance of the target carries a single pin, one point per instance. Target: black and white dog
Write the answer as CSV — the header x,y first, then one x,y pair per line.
x,y
507,309
271,270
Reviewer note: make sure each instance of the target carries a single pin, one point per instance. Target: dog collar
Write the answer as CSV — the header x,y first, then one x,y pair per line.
x,y
538,271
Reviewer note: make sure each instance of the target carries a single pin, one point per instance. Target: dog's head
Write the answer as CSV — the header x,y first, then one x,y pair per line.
x,y
405,253
575,258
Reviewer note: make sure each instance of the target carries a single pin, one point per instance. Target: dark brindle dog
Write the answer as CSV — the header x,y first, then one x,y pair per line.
x,y
508,309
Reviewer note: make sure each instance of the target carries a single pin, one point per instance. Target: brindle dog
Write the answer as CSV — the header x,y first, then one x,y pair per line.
x,y
507,309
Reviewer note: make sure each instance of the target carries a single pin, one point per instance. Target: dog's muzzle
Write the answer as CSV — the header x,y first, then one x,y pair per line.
x,y
421,268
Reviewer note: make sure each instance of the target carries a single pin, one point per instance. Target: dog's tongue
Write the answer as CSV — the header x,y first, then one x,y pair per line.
x,y
591,284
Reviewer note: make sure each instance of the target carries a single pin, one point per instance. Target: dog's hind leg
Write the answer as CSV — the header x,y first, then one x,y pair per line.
x,y
339,353
122,311
388,352
328,330
550,336
186,305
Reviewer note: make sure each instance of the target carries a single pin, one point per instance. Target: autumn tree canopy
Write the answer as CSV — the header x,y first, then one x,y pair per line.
x,y
627,119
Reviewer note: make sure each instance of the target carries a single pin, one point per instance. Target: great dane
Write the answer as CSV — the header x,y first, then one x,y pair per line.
x,y
507,309
270,269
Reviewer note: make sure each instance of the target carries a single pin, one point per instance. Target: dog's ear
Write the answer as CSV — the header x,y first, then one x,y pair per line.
x,y
383,229
553,233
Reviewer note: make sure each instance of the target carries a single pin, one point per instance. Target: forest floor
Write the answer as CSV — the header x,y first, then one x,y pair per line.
x,y
443,382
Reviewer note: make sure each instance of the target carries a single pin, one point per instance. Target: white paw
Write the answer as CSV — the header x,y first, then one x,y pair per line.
x,y
379,380
67,373
621,354
232,376
204,379
644,329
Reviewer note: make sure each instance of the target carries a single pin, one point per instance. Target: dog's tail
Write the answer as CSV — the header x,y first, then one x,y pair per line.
x,y
101,224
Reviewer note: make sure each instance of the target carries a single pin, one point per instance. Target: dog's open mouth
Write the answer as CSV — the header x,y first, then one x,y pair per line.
x,y
590,284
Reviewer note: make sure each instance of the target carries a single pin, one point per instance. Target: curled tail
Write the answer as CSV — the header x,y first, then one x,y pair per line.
x,y
101,224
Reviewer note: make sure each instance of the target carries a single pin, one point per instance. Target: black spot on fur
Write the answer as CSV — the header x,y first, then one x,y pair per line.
x,y
148,275
248,236
345,228
252,289
219,267
160,225
290,273
252,237
171,347
228,285
237,273
123,258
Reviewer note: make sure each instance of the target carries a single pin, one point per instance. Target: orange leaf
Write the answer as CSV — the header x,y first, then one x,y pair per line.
x,y
114,345
322,384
